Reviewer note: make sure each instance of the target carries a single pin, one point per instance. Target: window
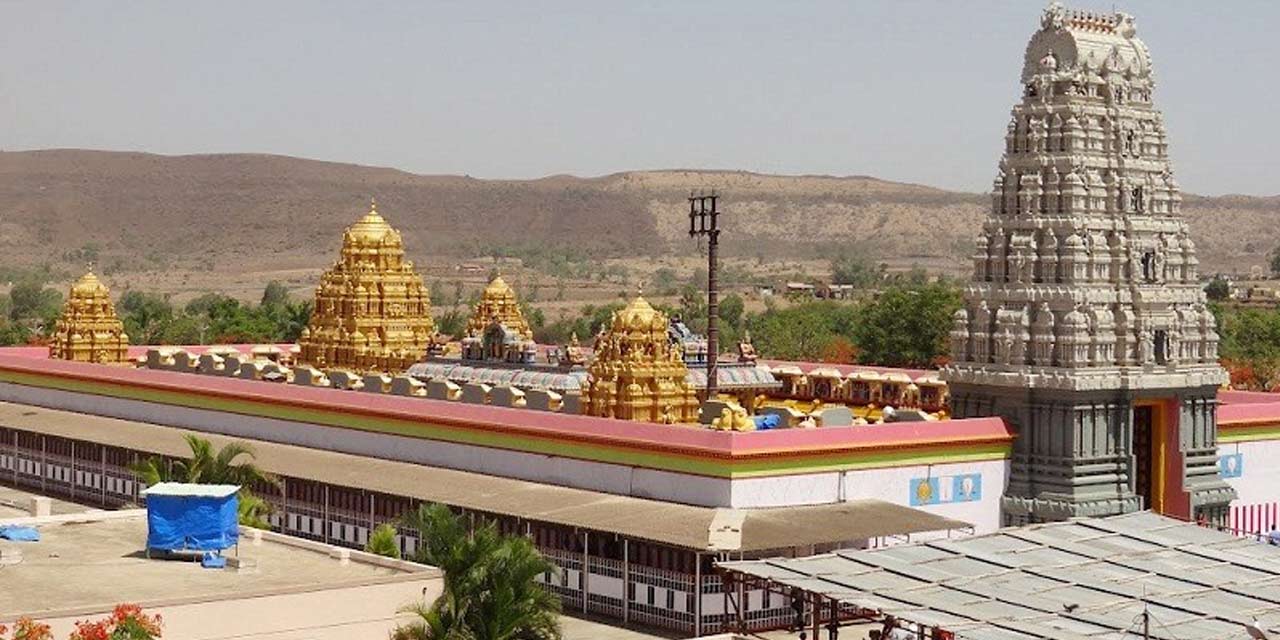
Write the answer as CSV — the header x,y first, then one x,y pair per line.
x,y
651,595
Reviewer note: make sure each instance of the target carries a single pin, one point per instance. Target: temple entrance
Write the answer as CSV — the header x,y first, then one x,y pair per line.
x,y
1143,484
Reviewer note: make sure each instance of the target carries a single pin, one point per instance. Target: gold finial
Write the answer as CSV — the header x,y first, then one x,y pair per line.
x,y
90,266
373,204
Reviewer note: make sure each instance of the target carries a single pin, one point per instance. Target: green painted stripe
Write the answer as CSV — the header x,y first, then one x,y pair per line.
x,y
1248,433
764,466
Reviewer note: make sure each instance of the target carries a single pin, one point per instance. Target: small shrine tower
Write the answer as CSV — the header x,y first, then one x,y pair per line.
x,y
88,330
497,330
499,304
636,373
372,311
1085,325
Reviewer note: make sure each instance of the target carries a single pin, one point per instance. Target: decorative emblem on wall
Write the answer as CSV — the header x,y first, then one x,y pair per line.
x,y
1231,465
946,489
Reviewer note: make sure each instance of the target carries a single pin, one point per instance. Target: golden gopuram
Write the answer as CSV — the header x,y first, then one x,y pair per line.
x,y
372,311
499,304
637,374
89,330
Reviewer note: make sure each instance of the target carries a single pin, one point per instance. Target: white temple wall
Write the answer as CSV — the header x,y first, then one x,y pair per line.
x,y
892,484
1253,470
967,491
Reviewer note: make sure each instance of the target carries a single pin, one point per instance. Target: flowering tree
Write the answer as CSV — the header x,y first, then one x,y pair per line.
x,y
27,629
127,622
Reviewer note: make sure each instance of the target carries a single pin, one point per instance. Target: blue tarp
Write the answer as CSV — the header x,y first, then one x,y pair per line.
x,y
20,534
766,422
212,561
179,520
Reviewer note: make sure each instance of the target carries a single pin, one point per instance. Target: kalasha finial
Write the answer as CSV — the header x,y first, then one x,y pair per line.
x,y
90,266
373,204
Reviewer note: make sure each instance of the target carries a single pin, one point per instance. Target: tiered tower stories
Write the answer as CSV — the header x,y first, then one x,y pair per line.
x,y
1085,325
637,374
499,304
372,311
88,330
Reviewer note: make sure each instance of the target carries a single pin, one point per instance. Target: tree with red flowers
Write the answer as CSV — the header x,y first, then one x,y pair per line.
x,y
127,622
27,629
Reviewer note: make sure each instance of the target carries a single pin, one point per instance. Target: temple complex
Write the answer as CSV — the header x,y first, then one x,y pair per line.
x,y
637,373
1085,326
372,311
88,330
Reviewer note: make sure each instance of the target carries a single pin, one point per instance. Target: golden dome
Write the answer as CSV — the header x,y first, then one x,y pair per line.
x,y
498,288
639,315
372,228
88,286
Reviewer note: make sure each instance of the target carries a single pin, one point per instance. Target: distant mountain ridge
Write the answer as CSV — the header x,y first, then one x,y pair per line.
x,y
261,211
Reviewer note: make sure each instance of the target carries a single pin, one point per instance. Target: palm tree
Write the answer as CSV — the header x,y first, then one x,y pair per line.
x,y
209,466
490,588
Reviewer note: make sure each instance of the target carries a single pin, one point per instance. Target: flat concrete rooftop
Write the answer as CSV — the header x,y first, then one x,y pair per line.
x,y
84,566
15,503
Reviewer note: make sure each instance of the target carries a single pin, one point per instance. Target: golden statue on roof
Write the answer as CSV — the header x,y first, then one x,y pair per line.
x,y
89,330
637,374
372,311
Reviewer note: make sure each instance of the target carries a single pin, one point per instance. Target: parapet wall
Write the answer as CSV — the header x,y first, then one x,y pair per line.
x,y
671,463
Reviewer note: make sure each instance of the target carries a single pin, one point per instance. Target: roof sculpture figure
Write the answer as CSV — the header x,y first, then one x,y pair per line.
x,y
1085,306
372,311
88,329
637,374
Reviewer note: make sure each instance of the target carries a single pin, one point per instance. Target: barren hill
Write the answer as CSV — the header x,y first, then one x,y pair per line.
x,y
139,211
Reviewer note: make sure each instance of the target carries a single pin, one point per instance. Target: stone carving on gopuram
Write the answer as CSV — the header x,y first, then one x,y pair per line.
x,y
1085,325
637,374
88,329
372,311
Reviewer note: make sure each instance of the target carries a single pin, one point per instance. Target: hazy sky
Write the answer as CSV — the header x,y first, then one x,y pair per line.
x,y
910,91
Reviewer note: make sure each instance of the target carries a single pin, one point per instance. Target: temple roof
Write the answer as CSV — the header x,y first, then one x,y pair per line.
x,y
639,314
372,228
1071,41
88,286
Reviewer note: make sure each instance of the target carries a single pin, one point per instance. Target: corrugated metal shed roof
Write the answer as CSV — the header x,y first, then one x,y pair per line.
x,y
1085,579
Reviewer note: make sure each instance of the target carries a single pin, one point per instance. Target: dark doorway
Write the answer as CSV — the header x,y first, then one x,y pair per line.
x,y
1143,420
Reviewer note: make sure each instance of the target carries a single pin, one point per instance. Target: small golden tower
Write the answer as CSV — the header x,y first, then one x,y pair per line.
x,y
499,302
637,374
372,310
89,330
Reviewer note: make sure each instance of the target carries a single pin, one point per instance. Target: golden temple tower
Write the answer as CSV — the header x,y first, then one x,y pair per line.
x,y
372,311
88,330
499,302
636,374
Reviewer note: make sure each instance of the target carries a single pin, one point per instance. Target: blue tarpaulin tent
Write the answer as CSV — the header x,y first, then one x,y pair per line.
x,y
197,517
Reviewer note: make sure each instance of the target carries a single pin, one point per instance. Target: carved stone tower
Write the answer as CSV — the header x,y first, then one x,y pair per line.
x,y
372,311
1085,325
